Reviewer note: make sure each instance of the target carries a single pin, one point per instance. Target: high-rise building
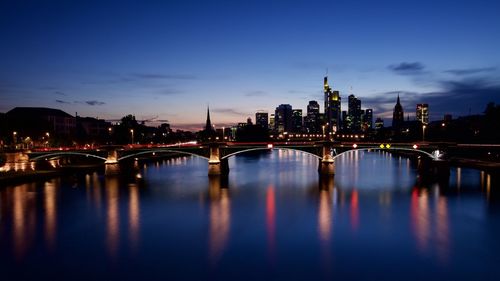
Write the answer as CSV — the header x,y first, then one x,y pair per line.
x,y
332,107
397,115
283,118
272,122
354,113
261,119
367,119
345,120
312,122
422,113
297,120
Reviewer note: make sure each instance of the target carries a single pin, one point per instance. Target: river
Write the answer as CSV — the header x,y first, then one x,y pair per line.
x,y
273,218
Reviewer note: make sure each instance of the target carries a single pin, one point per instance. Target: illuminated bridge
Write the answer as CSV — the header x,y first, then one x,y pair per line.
x,y
217,154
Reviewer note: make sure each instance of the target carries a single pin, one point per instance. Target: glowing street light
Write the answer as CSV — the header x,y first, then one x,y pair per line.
x,y
14,139
423,132
132,134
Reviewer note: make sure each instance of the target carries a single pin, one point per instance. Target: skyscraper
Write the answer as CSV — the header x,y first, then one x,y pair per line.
x,y
297,120
261,119
312,122
422,113
354,113
397,115
367,119
283,118
332,107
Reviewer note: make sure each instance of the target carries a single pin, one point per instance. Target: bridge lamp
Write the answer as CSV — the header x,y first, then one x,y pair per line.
x,y
382,145
415,146
270,145
354,145
387,146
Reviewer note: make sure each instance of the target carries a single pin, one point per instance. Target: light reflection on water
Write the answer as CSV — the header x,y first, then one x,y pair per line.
x,y
273,211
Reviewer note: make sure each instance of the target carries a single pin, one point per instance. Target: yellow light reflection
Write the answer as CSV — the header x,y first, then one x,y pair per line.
x,y
134,216
325,216
420,218
220,219
24,219
442,229
50,204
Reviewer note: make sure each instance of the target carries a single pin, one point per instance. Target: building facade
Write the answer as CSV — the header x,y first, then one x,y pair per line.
x,y
332,107
283,118
422,113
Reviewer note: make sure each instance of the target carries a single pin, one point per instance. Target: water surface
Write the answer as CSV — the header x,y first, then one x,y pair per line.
x,y
273,218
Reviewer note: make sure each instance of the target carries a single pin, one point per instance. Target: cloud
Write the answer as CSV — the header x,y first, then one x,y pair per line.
x,y
469,71
456,97
62,102
94,102
169,92
257,93
228,111
60,93
175,76
407,68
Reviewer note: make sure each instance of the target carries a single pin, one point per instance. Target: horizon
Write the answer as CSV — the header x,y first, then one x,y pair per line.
x,y
113,58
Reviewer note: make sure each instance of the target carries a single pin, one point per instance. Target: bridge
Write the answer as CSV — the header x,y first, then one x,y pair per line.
x,y
218,153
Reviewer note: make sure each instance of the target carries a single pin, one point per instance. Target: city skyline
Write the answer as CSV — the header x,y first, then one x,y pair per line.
x,y
111,59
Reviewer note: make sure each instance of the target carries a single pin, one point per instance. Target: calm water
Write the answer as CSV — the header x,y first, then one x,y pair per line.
x,y
272,219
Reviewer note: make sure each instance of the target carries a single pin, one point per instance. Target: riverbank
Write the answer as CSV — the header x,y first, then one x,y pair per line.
x,y
9,178
476,164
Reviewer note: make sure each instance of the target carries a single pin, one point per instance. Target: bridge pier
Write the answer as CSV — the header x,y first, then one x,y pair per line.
x,y
112,157
111,169
216,166
326,164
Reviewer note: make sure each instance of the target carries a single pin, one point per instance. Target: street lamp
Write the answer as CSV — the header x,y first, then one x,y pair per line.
x,y
423,132
47,134
223,136
132,135
323,130
14,139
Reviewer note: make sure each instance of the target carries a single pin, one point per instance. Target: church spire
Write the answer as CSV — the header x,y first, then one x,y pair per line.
x,y
208,126
397,102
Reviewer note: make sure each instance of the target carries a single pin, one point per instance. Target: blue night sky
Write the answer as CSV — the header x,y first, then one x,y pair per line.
x,y
170,59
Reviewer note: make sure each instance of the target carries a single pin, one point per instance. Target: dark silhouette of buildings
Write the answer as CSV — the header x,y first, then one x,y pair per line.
x,y
397,115
297,120
354,114
283,118
261,119
312,120
209,133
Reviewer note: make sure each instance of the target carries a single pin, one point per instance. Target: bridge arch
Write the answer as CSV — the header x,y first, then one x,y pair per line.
x,y
266,148
431,156
63,153
160,151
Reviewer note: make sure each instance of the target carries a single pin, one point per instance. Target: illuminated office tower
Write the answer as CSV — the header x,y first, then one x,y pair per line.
x,y
332,107
422,113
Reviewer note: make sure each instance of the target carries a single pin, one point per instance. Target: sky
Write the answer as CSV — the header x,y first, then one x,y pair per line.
x,y
169,60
